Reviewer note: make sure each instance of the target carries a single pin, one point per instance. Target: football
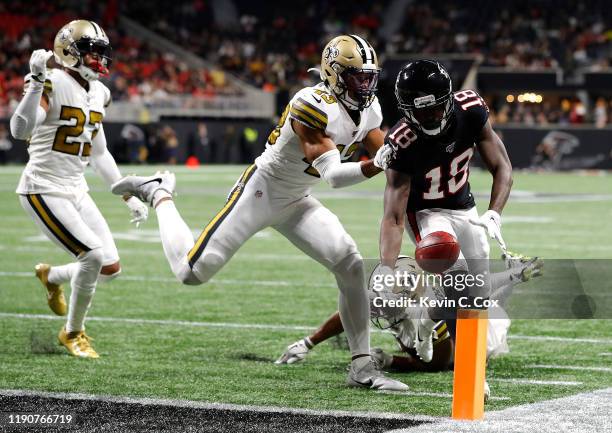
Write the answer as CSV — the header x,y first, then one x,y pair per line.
x,y
437,252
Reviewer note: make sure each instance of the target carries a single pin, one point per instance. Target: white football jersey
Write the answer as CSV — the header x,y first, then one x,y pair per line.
x,y
315,107
60,147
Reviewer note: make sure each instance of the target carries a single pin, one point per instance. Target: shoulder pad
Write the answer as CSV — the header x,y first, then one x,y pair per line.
x,y
314,107
474,107
107,94
400,136
375,116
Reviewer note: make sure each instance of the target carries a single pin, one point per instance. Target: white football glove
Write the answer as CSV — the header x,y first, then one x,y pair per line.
x,y
139,210
295,352
38,64
383,156
491,222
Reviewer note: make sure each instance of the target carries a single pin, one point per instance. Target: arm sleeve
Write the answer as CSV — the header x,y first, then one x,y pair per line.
x,y
336,174
29,114
102,161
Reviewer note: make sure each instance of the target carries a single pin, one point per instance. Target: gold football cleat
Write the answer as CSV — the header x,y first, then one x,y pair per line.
x,y
77,343
55,293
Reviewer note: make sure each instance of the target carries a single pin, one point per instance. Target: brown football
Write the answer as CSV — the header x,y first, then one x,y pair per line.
x,y
437,252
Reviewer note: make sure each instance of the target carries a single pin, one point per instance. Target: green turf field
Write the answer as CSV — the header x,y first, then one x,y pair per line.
x,y
244,316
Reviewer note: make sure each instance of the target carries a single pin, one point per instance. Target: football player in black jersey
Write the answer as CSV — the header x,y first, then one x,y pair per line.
x,y
427,175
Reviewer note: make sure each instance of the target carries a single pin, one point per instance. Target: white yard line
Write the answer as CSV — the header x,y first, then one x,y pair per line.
x,y
214,406
537,382
196,324
570,367
581,413
559,339
436,395
184,323
266,283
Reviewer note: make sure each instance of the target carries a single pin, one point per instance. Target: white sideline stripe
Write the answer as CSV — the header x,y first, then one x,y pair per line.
x,y
606,354
215,406
581,413
255,326
538,382
174,280
570,367
435,394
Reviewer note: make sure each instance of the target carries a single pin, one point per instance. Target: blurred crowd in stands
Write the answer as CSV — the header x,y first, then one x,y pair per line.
x,y
139,72
517,34
272,44
561,112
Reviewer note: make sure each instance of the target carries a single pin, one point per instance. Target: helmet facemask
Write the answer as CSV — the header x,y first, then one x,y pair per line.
x,y
357,87
101,52
426,113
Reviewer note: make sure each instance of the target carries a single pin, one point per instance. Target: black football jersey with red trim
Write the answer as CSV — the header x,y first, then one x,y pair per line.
x,y
439,165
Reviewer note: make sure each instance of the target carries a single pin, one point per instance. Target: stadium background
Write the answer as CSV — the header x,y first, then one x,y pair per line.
x,y
208,79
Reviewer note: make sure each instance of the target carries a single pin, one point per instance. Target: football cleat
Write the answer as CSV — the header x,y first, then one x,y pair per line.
x,y
77,343
381,359
527,267
295,352
55,294
145,187
369,376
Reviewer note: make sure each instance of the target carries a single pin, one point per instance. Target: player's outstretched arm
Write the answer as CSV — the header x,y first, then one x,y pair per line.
x,y
397,192
321,151
495,157
33,107
104,164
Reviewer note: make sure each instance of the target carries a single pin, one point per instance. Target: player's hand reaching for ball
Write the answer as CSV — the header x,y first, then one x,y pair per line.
x,y
491,222
139,210
38,64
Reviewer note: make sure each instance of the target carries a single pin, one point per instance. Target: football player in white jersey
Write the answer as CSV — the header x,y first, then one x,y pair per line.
x,y
402,323
318,131
61,117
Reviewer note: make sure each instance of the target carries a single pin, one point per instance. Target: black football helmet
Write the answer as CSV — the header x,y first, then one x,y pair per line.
x,y
424,93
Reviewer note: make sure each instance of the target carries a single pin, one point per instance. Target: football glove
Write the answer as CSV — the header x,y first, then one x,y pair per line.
x,y
295,352
38,64
139,210
383,156
491,222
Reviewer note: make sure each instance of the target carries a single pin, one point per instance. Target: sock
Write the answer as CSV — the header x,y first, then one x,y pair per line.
x,y
158,195
353,304
176,236
361,361
61,274
83,285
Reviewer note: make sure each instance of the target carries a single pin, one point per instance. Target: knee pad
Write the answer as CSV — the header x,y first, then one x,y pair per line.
x,y
92,258
207,266
350,272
